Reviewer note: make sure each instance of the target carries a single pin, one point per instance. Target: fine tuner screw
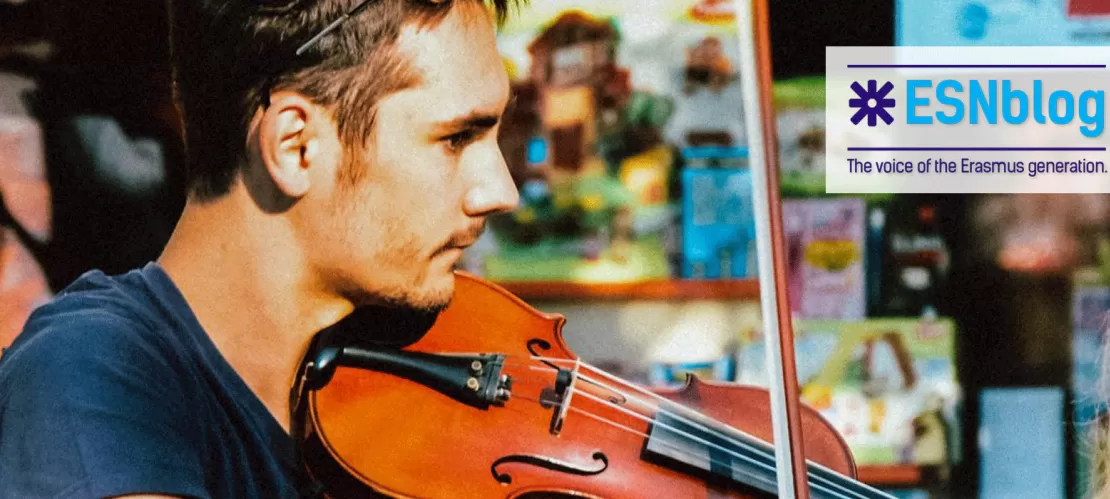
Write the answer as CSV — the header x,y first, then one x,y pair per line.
x,y
472,384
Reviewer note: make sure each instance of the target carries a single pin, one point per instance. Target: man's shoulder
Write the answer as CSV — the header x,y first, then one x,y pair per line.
x,y
95,401
98,317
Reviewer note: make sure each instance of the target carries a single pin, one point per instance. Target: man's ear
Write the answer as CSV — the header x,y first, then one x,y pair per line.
x,y
289,142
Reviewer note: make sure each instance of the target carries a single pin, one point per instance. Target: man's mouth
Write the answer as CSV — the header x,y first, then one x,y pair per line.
x,y
465,239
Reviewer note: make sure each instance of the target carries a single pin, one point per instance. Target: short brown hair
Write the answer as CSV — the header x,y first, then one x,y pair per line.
x,y
226,53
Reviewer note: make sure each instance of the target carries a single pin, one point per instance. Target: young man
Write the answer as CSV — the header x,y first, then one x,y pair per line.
x,y
350,173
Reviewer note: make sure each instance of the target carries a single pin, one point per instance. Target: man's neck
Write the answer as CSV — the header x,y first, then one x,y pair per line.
x,y
249,286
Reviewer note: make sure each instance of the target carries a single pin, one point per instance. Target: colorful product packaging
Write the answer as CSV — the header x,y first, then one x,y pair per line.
x,y
888,386
718,226
825,246
916,261
800,126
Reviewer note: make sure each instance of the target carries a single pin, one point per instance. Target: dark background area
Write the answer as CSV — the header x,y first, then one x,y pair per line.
x,y
801,29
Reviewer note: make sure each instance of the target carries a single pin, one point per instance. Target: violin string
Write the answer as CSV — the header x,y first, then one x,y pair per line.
x,y
752,461
656,407
661,404
595,382
690,416
553,370
655,402
818,481
696,419
700,420
680,450
590,381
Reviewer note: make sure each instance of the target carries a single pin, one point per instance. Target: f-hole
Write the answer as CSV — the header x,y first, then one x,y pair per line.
x,y
551,464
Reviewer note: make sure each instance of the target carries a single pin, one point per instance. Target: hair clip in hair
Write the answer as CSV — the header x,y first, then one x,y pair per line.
x,y
333,26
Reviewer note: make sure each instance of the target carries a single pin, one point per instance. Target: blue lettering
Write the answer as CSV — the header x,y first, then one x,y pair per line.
x,y
912,101
1008,96
1094,121
957,115
987,103
984,100
1038,113
1054,107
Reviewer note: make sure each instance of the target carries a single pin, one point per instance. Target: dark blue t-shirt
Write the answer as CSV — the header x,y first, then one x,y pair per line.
x,y
114,388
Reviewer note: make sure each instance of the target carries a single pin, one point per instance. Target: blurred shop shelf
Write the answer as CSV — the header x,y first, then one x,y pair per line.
x,y
895,475
733,289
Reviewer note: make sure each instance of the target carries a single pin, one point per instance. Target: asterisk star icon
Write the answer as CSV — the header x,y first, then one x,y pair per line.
x,y
872,103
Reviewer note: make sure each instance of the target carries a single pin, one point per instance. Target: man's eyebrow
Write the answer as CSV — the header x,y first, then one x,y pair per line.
x,y
477,119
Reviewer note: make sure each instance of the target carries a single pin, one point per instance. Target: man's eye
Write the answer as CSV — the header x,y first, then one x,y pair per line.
x,y
458,141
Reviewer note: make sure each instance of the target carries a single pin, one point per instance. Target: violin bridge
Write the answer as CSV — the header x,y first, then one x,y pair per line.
x,y
564,389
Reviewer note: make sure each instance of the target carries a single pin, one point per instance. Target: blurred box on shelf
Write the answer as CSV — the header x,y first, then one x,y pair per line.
x,y
718,225
875,249
888,386
915,261
605,95
1021,443
825,248
800,126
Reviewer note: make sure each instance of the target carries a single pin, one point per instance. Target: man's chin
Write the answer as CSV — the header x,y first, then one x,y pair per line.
x,y
429,295
427,305
439,299
433,296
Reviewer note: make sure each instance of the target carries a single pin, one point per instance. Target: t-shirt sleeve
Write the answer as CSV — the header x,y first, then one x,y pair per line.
x,y
88,409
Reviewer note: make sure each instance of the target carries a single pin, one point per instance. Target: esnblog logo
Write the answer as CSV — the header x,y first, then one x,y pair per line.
x,y
986,101
967,120
872,103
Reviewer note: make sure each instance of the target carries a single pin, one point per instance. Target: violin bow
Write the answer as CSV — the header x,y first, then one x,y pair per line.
x,y
759,116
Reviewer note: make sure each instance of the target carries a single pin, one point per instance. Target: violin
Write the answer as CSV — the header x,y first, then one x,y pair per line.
x,y
491,403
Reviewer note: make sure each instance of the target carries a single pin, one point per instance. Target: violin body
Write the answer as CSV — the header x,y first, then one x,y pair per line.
x,y
583,434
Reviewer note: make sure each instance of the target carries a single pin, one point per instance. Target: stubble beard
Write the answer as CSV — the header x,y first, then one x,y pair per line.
x,y
391,280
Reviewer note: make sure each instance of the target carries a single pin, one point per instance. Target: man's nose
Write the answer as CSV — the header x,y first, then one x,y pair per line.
x,y
494,191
